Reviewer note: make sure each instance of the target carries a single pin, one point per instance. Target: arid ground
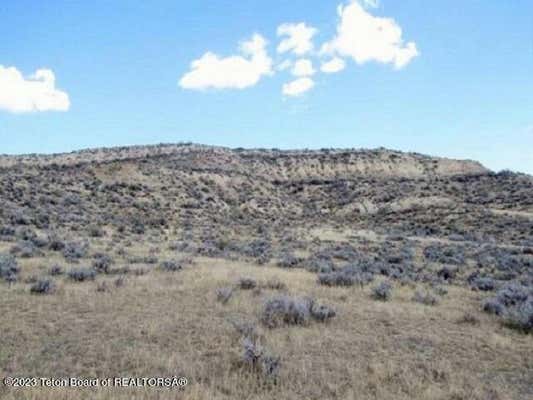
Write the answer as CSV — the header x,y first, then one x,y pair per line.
x,y
266,274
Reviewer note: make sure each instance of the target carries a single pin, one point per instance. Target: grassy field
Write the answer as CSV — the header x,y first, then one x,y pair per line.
x,y
166,324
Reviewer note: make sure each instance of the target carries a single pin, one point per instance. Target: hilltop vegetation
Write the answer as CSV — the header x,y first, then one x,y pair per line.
x,y
267,274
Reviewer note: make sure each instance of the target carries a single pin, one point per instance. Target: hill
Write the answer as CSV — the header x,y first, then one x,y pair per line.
x,y
267,274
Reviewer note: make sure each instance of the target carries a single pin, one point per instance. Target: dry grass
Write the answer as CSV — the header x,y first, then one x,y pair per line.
x,y
165,324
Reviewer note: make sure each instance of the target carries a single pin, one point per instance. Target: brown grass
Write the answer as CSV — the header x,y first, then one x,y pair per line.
x,y
165,324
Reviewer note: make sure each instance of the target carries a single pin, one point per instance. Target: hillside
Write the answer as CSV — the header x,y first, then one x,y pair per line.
x,y
155,248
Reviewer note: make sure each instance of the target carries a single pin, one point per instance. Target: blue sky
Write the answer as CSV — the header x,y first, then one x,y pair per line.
x,y
465,92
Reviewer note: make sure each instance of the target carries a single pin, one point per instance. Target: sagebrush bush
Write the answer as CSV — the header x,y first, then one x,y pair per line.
x,y
425,298
102,262
9,268
514,304
120,281
55,270
171,265
82,274
484,284
286,310
25,249
319,265
288,260
75,250
447,273
258,359
43,286
245,329
383,291
345,277
55,243
247,283
440,290
95,231
224,294
521,316
322,312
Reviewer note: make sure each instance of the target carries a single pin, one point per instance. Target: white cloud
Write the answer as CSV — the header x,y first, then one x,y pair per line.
x,y
336,64
365,38
34,93
299,38
303,67
298,87
233,72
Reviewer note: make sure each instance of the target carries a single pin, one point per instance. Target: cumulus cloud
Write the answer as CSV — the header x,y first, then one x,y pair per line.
x,y
233,72
366,38
303,67
298,38
34,93
332,66
298,87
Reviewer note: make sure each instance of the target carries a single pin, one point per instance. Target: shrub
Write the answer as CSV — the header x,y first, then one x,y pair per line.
x,y
18,217
259,249
247,283
7,230
102,262
289,261
25,249
521,316
224,294
484,284
440,290
75,250
95,231
514,303
425,298
245,329
347,276
82,274
322,312
55,270
383,291
9,268
120,281
493,306
287,310
319,265
468,318
275,284
55,243
102,287
258,359
445,254
336,278
447,273
43,286
171,266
